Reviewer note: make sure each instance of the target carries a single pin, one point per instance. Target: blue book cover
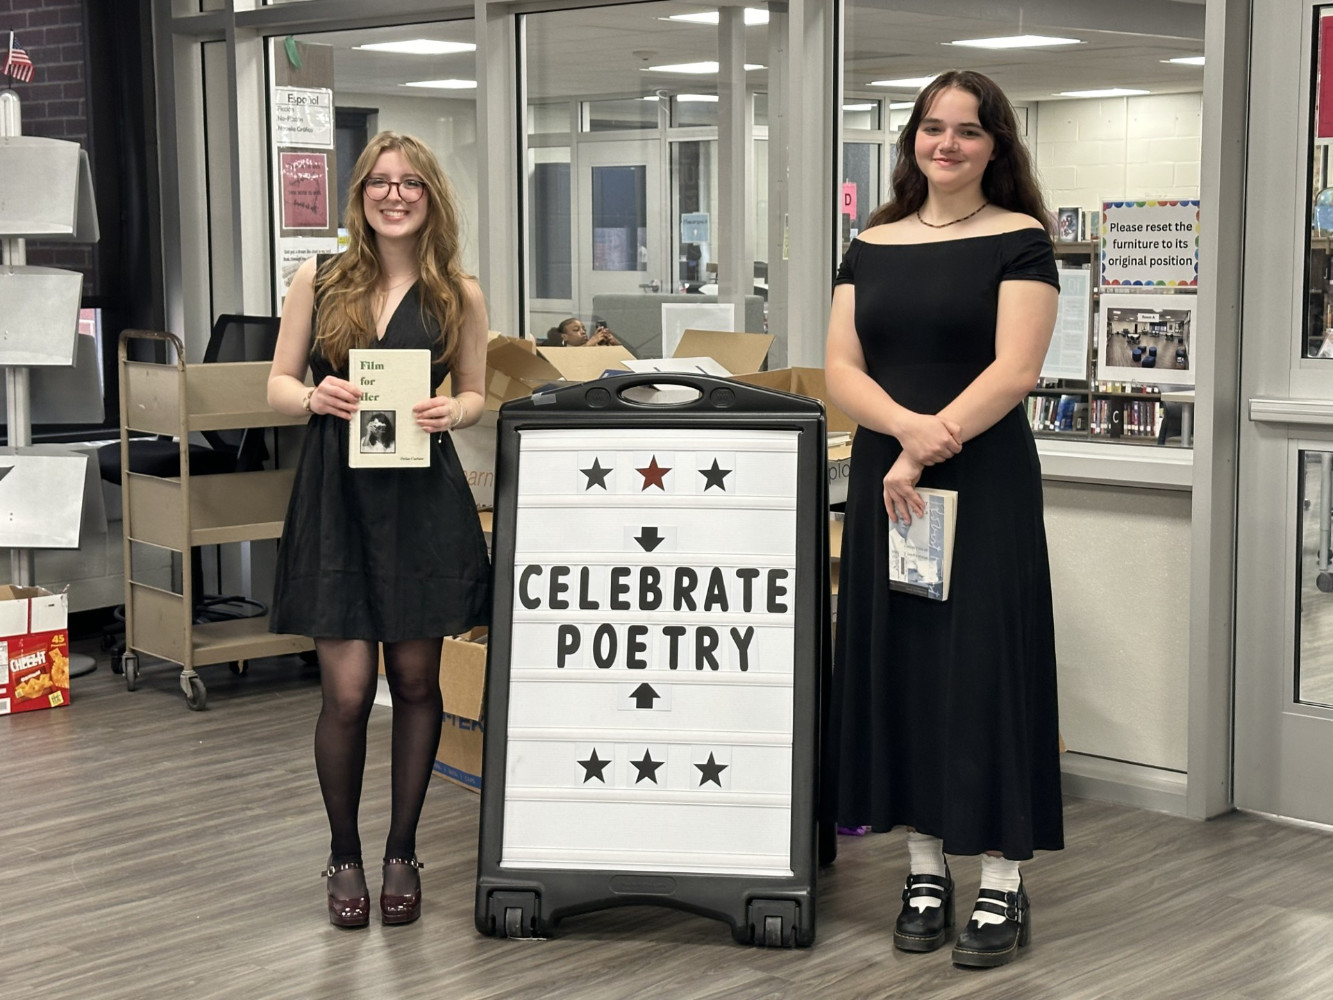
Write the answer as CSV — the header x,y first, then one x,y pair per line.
x,y
921,553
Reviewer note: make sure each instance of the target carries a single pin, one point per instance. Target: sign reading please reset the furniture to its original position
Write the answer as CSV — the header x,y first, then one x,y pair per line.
x,y
651,667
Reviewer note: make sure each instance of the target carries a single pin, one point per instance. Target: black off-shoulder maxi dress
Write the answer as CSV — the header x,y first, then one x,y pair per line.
x,y
944,714
380,554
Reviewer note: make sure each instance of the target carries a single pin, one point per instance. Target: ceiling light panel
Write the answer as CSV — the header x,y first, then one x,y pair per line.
x,y
419,47
1015,42
1106,92
697,68
444,84
753,16
909,83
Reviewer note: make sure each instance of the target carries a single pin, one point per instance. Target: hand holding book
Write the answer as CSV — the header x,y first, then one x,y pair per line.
x,y
335,397
901,499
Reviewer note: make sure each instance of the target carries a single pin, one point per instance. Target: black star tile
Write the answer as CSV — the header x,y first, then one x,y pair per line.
x,y
714,477
593,767
596,475
711,771
647,767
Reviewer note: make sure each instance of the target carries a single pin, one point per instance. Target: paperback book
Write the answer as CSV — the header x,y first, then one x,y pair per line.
x,y
384,434
921,553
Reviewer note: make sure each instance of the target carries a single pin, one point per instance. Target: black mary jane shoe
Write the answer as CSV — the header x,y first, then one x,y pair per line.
x,y
984,946
404,908
347,911
925,930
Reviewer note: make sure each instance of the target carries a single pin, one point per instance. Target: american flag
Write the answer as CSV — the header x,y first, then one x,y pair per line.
x,y
17,64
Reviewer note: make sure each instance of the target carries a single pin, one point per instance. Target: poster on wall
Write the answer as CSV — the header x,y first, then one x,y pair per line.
x,y
1150,243
303,116
1146,338
652,671
305,190
1067,357
295,251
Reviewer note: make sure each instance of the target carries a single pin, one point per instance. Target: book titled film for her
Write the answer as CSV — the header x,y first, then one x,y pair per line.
x,y
384,433
921,552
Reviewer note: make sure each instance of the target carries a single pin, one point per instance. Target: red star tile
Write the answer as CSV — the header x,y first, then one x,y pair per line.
x,y
652,476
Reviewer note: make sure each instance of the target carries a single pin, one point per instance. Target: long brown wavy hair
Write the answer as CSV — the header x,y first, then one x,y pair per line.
x,y
345,284
1008,180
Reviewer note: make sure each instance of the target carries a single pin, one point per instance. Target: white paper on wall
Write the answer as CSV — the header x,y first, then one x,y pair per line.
x,y
677,317
651,665
1067,357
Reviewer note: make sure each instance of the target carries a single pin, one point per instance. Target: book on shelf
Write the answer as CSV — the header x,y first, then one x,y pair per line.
x,y
384,434
921,553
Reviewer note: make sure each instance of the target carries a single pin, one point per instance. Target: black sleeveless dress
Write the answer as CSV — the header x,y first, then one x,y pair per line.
x,y
944,712
380,554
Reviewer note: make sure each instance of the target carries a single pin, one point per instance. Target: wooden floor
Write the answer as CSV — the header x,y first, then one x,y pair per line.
x,y
153,852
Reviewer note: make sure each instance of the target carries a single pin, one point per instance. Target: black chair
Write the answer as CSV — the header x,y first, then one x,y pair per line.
x,y
234,337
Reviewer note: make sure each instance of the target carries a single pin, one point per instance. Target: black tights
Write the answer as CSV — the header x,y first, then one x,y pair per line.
x,y
348,671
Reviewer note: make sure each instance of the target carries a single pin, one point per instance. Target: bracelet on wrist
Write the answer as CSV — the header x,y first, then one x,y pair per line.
x,y
305,399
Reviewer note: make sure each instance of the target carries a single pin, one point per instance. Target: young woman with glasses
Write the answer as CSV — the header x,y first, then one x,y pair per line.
x,y
371,556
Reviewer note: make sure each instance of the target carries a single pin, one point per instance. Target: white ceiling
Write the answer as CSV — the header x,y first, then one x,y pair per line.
x,y
604,51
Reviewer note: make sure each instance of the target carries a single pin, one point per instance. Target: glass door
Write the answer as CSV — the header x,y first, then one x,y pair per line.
x,y
620,218
1284,589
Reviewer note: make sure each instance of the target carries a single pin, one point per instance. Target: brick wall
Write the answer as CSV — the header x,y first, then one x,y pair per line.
x,y
55,104
1090,151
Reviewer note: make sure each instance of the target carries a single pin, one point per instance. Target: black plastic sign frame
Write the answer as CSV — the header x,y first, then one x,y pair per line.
x,y
659,635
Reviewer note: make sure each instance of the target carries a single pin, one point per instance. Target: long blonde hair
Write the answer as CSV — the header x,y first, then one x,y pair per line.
x,y
345,284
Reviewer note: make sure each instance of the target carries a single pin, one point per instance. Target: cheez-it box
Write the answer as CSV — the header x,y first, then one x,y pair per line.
x,y
34,649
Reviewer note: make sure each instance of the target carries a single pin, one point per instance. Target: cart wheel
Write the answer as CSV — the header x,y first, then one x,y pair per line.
x,y
129,666
1324,581
514,922
196,695
116,667
239,667
772,932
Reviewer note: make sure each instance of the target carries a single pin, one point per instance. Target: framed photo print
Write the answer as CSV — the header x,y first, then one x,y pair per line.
x,y
1067,222
1146,338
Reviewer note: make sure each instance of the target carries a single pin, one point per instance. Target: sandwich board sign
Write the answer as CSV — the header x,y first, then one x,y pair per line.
x,y
658,633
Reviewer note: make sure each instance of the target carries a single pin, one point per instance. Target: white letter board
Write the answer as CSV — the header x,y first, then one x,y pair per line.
x,y
654,646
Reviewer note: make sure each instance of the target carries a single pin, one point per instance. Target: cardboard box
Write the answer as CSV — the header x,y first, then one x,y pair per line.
x,y
516,367
463,684
34,649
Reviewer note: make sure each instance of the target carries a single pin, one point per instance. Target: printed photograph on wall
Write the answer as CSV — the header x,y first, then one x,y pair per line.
x,y
1067,224
1146,338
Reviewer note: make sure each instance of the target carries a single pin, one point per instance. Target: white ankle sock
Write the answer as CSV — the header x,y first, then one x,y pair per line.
x,y
925,856
999,874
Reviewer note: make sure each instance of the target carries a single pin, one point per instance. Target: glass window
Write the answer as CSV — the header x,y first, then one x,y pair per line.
x,y
1318,341
331,91
1314,584
1102,122
619,114
635,199
619,218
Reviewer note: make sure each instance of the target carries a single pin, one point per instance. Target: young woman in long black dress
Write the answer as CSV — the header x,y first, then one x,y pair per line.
x,y
391,556
945,715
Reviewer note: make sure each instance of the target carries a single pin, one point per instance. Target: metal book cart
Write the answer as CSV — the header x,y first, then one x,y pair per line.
x,y
182,512
659,634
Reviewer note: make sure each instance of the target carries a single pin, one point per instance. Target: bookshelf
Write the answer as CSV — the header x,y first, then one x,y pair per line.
x,y
1091,410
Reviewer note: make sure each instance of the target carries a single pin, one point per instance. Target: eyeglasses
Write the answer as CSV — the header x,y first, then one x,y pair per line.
x,y
409,189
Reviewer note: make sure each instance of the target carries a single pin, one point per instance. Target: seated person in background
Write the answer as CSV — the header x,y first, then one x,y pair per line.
x,y
572,333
